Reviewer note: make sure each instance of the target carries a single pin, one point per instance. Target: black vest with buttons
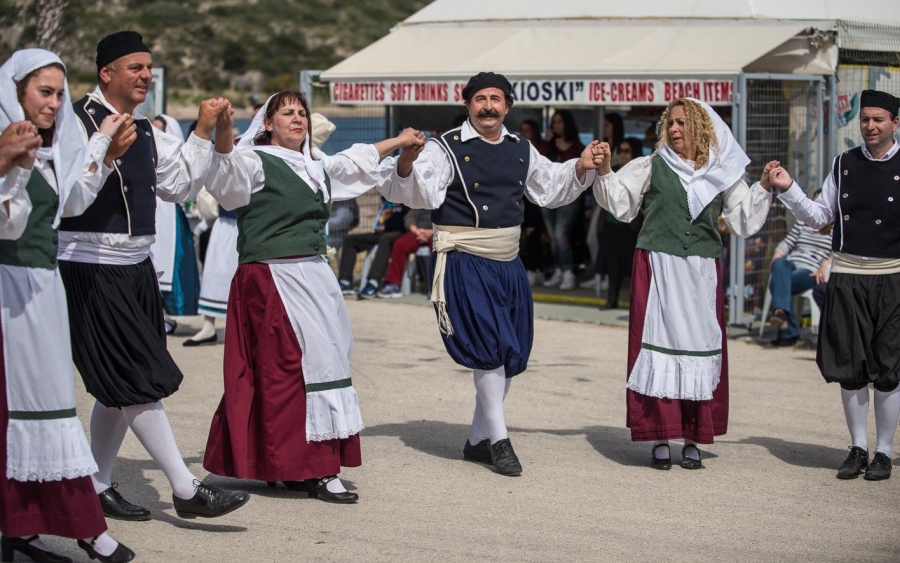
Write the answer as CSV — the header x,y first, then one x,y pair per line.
x,y
127,201
868,203
488,182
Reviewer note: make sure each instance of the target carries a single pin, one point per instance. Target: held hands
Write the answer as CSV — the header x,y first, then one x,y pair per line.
x,y
775,175
411,142
18,146
208,118
601,157
123,132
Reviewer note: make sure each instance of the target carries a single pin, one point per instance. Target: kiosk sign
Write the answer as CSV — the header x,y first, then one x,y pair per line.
x,y
632,92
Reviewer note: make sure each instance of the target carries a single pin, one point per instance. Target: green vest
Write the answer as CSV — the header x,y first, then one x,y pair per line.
x,y
285,218
37,246
667,219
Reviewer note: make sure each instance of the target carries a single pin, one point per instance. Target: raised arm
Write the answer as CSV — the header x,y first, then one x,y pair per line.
x,y
816,213
418,178
554,184
182,169
621,193
116,134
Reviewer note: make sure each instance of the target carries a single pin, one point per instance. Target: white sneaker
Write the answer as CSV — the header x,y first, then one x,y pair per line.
x,y
554,279
534,277
568,281
590,284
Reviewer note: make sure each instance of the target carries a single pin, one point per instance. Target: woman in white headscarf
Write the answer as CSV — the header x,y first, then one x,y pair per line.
x,y
173,250
45,486
677,367
289,412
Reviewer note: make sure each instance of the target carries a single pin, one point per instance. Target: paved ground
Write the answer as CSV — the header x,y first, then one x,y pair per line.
x,y
768,492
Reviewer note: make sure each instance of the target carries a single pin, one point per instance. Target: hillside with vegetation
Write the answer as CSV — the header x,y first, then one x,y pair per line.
x,y
213,46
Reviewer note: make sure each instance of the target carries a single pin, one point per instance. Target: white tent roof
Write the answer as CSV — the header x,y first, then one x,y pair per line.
x,y
531,39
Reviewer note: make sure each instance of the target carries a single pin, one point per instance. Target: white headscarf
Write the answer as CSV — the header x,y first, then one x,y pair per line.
x,y
68,149
172,126
314,168
722,170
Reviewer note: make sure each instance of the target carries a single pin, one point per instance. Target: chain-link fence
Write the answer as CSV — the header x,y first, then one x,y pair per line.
x,y
781,118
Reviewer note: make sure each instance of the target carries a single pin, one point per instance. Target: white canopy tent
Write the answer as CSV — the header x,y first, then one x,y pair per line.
x,y
536,39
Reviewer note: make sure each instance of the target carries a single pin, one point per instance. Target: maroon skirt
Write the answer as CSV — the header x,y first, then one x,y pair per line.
x,y
68,508
651,418
259,429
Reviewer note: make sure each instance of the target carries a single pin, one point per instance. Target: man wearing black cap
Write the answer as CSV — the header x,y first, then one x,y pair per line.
x,y
115,307
859,343
475,178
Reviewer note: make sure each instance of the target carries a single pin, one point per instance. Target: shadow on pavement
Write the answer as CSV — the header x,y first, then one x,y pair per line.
x,y
138,489
799,454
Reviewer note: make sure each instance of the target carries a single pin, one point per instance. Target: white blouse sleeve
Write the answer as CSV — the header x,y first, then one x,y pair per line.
x,y
85,190
553,184
234,176
426,186
745,209
15,205
180,169
816,213
352,172
622,193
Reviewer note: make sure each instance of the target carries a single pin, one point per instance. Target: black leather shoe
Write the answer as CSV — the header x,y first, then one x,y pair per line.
x,y
209,502
689,463
504,458
856,462
317,488
662,463
117,508
8,547
480,452
614,304
121,555
879,469
211,340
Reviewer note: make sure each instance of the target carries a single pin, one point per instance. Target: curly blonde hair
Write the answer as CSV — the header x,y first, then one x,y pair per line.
x,y
698,126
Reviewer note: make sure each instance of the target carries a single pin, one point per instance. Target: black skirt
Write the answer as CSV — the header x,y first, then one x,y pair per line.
x,y
859,334
118,334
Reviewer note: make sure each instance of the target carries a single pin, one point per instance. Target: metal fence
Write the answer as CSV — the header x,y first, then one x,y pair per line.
x,y
778,118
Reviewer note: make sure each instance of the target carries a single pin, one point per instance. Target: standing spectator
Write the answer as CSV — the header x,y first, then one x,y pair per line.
x,y
617,240
389,226
800,262
562,145
531,249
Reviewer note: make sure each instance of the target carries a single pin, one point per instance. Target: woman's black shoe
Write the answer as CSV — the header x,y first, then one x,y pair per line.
x,y
299,486
317,488
690,463
662,463
9,546
210,340
121,555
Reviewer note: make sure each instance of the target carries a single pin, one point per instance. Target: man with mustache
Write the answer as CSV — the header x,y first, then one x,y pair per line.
x,y
475,178
859,338
115,306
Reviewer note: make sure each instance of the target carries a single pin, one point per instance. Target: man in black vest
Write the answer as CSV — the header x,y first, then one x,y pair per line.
x,y
859,342
475,178
115,307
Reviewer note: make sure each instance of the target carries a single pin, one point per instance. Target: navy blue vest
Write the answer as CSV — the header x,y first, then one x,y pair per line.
x,y
868,204
127,201
488,183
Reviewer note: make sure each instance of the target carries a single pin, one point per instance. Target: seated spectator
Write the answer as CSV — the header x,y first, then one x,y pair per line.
x,y
418,234
800,262
389,226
